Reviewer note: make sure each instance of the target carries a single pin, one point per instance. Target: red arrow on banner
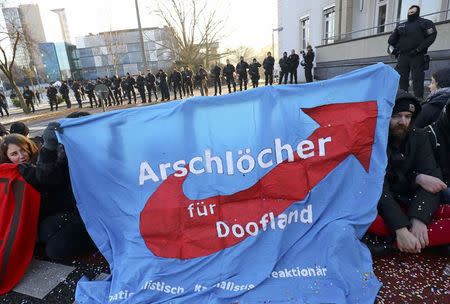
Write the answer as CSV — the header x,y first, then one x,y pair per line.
x,y
174,226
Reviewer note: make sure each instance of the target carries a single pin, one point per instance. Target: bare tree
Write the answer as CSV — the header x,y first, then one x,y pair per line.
x,y
7,65
196,26
114,46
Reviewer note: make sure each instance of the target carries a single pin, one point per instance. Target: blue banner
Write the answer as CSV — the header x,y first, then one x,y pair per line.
x,y
254,197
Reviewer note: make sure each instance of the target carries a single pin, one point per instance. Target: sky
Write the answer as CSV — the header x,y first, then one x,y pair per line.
x,y
248,22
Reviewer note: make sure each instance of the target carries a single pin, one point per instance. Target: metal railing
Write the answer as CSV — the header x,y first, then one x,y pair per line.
x,y
386,27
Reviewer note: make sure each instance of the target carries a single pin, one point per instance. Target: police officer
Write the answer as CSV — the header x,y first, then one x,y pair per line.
x,y
150,80
284,68
28,95
254,72
161,78
3,104
140,85
241,70
215,72
308,59
268,64
90,92
202,79
228,73
175,79
106,81
64,91
116,85
294,61
188,76
411,40
76,92
129,88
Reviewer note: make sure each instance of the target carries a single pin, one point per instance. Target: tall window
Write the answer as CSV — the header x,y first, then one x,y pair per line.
x,y
381,16
304,25
328,25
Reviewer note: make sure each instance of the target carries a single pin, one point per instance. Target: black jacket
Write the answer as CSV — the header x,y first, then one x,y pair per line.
x,y
294,61
439,135
28,95
150,79
413,35
64,90
140,82
50,176
432,108
52,92
215,72
414,157
268,64
284,64
241,68
175,77
228,71
254,70
308,57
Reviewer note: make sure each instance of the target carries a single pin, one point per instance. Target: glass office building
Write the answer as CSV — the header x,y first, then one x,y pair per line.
x,y
60,61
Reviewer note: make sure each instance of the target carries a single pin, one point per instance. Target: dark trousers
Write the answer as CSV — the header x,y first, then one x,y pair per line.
x,y
164,88
3,105
129,93
308,74
78,99
189,87
53,102
67,100
91,97
141,91
64,236
30,104
415,65
230,81
243,80
293,76
217,83
118,96
177,86
151,88
283,74
269,77
255,82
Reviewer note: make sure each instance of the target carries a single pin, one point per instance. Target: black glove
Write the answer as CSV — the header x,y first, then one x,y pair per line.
x,y
49,136
413,53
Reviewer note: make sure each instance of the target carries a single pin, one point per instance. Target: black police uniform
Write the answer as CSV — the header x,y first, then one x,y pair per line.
x,y
64,91
268,64
117,89
140,84
175,79
90,92
284,69
254,73
294,61
163,87
215,72
308,57
411,40
150,84
129,88
28,96
241,69
187,81
76,92
228,73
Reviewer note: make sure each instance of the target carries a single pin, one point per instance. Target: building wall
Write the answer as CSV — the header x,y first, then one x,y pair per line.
x,y
119,52
50,61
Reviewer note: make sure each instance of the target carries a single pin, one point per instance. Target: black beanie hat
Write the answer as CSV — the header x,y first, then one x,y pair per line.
x,y
19,128
442,77
405,102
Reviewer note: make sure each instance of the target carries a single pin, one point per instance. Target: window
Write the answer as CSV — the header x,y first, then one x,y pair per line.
x,y
381,16
328,25
304,26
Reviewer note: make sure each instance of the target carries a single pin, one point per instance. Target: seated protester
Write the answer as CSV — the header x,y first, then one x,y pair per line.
x,y
435,102
412,184
19,127
60,226
439,135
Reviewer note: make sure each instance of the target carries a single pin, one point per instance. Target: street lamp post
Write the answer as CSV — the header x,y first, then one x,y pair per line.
x,y
278,29
141,37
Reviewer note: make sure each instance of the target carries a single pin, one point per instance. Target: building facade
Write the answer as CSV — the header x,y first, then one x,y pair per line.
x,y
60,61
119,52
26,19
350,34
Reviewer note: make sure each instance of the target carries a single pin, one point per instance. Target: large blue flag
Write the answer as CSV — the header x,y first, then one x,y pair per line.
x,y
253,197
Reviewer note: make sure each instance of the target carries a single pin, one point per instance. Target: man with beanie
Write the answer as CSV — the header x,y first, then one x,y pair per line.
x,y
412,182
411,40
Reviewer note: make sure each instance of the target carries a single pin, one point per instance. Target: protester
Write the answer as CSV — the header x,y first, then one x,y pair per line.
x,y
19,128
412,184
439,135
411,40
435,102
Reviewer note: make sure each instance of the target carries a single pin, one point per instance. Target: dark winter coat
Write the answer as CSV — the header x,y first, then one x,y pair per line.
x,y
432,108
308,57
241,68
228,71
284,63
268,64
414,157
413,35
294,61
